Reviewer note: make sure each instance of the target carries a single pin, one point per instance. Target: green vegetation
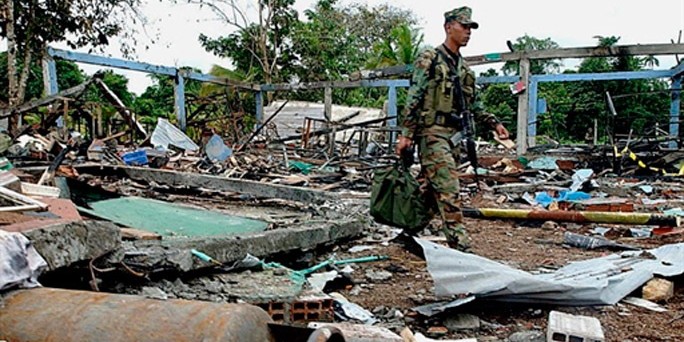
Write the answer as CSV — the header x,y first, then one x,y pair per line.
x,y
327,42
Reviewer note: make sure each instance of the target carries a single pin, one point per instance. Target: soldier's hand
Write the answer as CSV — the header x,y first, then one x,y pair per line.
x,y
402,144
501,131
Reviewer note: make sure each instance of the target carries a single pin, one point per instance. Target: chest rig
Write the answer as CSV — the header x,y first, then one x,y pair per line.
x,y
440,99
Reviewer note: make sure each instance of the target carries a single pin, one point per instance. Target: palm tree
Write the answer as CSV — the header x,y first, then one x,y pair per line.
x,y
527,42
650,61
400,48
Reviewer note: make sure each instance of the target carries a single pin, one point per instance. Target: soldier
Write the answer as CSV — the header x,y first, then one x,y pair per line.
x,y
427,122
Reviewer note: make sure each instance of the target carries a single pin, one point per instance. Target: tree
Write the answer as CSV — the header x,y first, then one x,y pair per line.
x,y
335,41
261,46
536,66
325,47
29,25
374,24
69,75
401,47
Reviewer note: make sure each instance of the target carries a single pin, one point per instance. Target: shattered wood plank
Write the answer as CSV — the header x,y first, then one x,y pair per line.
x,y
324,131
5,112
10,181
31,189
137,234
20,208
121,108
22,200
193,180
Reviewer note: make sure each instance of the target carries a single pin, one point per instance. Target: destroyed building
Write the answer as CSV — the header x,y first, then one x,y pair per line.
x,y
146,234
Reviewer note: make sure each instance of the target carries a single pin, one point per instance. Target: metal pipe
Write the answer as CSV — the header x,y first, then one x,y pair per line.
x,y
44,314
574,216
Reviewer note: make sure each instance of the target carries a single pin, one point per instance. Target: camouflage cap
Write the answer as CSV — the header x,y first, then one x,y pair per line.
x,y
462,15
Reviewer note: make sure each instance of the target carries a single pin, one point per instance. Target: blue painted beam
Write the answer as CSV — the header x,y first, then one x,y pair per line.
x,y
678,70
675,106
392,111
179,90
50,76
259,108
111,62
497,79
386,83
145,67
603,76
218,80
336,84
532,113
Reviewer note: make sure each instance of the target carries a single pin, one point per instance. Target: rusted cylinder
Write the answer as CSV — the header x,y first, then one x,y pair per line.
x,y
574,216
55,315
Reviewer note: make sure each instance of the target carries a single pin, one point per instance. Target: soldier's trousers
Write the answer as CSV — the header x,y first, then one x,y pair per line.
x,y
439,161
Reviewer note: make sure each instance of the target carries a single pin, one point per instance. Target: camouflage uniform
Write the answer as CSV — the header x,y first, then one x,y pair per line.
x,y
431,95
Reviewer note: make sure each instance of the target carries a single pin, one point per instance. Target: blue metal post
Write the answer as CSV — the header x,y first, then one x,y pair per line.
x,y
259,108
179,88
532,112
392,111
50,76
50,85
675,105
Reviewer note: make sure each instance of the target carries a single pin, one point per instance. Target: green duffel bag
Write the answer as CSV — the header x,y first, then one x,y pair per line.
x,y
396,199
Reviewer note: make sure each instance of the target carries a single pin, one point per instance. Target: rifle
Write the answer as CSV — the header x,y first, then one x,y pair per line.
x,y
465,119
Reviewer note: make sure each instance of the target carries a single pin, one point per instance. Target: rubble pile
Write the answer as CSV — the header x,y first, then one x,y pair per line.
x,y
574,240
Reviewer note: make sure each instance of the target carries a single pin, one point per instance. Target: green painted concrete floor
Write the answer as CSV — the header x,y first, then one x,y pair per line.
x,y
170,219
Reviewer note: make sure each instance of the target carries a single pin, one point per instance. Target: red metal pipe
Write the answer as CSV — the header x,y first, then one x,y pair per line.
x,y
44,314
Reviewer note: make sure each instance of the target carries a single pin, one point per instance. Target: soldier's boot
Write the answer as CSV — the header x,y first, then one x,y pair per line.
x,y
457,237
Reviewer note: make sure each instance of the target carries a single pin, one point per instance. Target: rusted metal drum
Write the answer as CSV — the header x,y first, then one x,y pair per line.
x,y
55,315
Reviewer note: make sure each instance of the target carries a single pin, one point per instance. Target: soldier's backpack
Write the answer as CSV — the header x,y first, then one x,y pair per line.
x,y
396,199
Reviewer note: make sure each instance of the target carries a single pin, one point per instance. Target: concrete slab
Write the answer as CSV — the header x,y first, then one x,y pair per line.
x,y
174,253
63,244
193,180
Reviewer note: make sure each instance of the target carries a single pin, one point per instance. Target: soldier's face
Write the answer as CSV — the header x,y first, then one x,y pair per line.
x,y
458,33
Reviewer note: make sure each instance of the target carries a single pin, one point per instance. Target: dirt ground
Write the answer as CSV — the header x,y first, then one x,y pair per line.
x,y
524,245
527,248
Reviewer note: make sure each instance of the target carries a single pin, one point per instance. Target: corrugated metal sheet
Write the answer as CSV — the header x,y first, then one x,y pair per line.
x,y
166,134
598,281
290,120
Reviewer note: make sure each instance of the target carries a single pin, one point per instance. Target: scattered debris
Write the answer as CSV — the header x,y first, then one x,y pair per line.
x,y
599,281
20,264
658,290
565,328
589,242
173,216
643,303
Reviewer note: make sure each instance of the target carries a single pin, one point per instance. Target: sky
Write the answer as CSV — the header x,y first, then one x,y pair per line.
x,y
568,23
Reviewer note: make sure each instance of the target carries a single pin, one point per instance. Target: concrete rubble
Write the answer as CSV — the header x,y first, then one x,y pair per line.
x,y
315,263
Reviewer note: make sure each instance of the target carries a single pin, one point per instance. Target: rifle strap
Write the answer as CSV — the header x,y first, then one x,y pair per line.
x,y
458,98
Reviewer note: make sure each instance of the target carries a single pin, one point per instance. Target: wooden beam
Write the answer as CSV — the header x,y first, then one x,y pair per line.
x,y
21,199
579,52
523,107
122,109
5,112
